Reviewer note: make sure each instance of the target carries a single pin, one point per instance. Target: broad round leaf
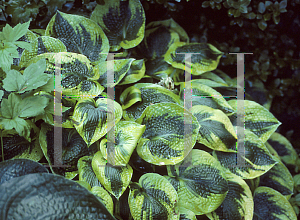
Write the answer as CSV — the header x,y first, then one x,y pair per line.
x,y
153,198
164,140
257,119
43,195
115,179
199,181
122,21
216,130
91,118
257,158
238,203
127,134
79,35
270,204
206,58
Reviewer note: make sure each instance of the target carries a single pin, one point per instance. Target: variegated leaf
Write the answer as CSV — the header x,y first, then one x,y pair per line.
x,y
206,59
216,130
114,179
127,134
158,38
43,44
164,141
238,203
86,172
135,73
278,178
159,68
257,158
200,182
104,196
78,75
118,67
270,204
80,35
205,95
91,118
147,94
153,198
285,150
257,119
122,21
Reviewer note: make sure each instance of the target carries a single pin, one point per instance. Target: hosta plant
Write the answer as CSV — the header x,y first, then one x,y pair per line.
x,y
155,158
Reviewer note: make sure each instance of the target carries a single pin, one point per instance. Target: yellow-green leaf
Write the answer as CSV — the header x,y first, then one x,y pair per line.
x,y
238,203
200,182
153,198
257,158
216,130
136,98
164,141
122,21
80,35
270,204
135,73
127,134
114,179
206,59
43,44
86,172
91,118
103,195
258,119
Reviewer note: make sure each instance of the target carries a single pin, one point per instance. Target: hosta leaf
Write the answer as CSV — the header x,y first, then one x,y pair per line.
x,y
278,178
121,67
19,167
270,204
153,198
135,73
158,38
17,147
258,159
186,214
86,172
127,134
200,182
103,195
205,95
216,130
147,94
43,44
79,35
122,21
257,119
73,146
206,60
27,197
91,118
114,179
159,68
238,203
78,75
164,140
285,150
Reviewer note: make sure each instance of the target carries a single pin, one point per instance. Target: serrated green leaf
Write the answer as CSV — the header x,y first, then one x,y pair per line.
x,y
32,106
13,34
